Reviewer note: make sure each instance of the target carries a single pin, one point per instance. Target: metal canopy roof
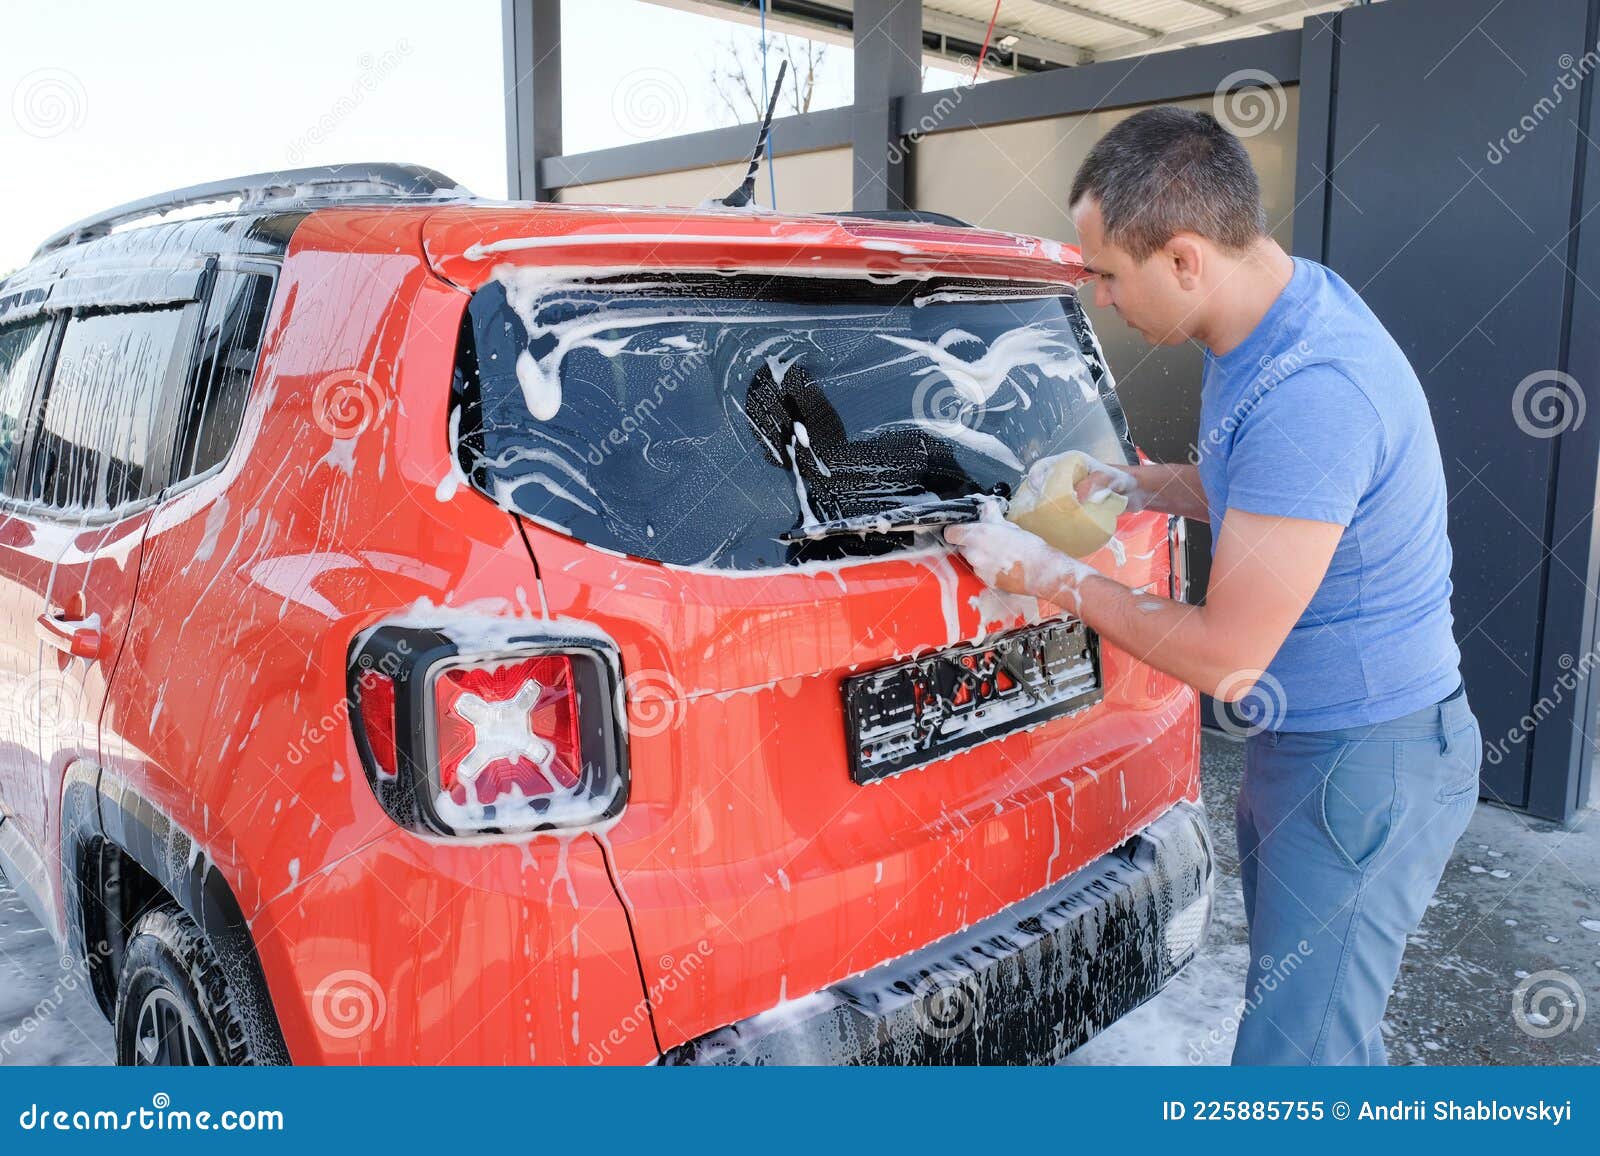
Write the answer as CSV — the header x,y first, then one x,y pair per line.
x,y
1048,33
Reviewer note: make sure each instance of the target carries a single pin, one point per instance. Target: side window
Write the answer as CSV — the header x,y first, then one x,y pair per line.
x,y
98,445
22,347
230,342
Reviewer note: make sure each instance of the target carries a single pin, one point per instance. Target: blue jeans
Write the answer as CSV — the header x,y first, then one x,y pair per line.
x,y
1343,836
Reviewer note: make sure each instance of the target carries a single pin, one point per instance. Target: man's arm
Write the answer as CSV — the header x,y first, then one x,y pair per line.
x,y
1166,489
1264,573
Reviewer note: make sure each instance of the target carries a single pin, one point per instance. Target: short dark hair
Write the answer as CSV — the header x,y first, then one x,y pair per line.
x,y
1167,170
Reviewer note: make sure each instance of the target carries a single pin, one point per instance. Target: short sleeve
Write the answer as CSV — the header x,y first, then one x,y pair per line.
x,y
1309,448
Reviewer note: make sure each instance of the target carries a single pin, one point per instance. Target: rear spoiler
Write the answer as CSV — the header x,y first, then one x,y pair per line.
x,y
466,245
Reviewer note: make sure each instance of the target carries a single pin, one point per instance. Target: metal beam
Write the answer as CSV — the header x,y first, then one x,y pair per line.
x,y
1056,92
1561,764
1211,6
1224,10
1243,20
1028,44
888,71
1319,55
531,31
832,26
718,146
1165,76
1101,17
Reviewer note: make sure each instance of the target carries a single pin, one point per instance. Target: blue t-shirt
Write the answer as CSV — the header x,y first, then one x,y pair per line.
x,y
1318,415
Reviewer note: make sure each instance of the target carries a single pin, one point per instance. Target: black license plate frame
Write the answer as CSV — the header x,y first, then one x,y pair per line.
x,y
912,713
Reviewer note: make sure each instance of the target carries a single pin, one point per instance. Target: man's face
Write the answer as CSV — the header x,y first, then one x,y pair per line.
x,y
1146,294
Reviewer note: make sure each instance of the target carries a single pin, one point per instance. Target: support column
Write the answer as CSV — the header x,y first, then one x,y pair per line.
x,y
888,69
1566,685
1319,64
532,37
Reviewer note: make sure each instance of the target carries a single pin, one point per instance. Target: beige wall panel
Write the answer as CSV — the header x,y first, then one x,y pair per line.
x,y
816,182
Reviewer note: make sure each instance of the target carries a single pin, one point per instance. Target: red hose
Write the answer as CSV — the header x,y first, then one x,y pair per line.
x,y
984,51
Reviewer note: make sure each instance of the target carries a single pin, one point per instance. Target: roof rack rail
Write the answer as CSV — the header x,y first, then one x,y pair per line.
x,y
290,186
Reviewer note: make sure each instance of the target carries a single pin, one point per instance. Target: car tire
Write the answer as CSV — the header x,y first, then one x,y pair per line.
x,y
174,1004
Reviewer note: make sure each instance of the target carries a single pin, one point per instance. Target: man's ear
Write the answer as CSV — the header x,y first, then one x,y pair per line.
x,y
1185,255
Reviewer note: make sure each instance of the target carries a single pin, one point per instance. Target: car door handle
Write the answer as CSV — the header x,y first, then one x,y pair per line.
x,y
77,636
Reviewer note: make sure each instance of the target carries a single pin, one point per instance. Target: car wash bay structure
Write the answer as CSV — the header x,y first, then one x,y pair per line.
x,y
1437,153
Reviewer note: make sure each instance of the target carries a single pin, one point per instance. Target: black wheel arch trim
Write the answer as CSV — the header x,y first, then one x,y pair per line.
x,y
96,805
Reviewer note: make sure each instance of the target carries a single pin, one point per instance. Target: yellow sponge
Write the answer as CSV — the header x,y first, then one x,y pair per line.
x,y
1052,510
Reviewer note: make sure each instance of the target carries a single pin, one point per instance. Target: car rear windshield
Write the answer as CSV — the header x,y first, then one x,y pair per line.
x,y
697,419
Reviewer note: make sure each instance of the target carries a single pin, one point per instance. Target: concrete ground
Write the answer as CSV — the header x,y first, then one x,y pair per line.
x,y
47,1015
1519,898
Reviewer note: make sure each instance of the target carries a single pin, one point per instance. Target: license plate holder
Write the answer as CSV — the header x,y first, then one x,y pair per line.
x,y
915,712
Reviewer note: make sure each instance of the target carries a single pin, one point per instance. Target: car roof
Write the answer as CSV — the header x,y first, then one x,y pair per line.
x,y
121,256
467,239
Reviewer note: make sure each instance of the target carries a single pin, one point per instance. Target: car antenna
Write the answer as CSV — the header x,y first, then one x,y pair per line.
x,y
746,192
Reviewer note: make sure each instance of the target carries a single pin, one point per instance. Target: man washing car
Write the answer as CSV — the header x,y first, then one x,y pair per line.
x,y
1327,616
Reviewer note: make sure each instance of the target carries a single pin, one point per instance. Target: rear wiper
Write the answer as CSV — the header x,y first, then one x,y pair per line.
x,y
898,519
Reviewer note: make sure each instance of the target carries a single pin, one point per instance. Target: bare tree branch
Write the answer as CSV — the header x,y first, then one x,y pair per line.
x,y
736,75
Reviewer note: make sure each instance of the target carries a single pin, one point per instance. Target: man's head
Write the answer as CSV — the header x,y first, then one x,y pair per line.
x,y
1166,205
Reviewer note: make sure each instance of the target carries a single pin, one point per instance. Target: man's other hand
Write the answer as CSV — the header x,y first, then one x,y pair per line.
x,y
1011,559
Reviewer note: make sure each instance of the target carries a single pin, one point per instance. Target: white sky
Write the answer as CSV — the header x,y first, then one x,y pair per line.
x,y
106,101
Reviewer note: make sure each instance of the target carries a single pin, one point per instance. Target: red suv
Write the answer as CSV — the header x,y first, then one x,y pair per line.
x,y
449,631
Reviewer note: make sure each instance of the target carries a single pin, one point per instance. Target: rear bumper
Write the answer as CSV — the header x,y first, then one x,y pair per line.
x,y
1025,986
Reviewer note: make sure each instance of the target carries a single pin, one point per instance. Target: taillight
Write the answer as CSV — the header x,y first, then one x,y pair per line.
x,y
376,696
1177,560
521,732
507,731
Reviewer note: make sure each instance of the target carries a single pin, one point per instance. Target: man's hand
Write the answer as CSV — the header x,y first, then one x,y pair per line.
x,y
1103,479
1100,478
1011,559
1165,489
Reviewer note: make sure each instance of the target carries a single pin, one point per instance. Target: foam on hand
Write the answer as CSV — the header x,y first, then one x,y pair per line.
x,y
1051,509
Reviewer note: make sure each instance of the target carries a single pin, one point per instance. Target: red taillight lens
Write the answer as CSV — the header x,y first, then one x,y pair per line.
x,y
508,730
1177,560
522,732
375,693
